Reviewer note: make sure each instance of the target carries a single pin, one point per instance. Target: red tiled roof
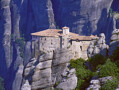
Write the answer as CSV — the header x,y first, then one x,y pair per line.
x,y
58,32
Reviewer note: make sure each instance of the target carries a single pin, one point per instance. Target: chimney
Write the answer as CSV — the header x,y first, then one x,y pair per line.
x,y
65,30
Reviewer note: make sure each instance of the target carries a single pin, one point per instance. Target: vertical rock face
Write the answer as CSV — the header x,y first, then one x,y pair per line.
x,y
114,43
41,10
18,19
5,35
39,16
49,69
98,46
83,17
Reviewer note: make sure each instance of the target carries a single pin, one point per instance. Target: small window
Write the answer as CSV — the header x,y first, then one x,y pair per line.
x,y
81,48
45,39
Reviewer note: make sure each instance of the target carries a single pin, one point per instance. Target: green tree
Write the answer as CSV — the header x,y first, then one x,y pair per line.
x,y
83,74
109,69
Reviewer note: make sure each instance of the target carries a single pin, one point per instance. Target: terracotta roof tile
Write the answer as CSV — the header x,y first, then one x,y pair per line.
x,y
58,32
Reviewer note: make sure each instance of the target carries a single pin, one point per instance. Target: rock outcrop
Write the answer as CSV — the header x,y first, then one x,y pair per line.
x,y
104,79
69,80
98,46
5,36
114,43
26,86
94,85
48,69
97,83
17,20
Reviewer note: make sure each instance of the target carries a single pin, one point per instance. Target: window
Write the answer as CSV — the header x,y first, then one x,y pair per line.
x,y
81,48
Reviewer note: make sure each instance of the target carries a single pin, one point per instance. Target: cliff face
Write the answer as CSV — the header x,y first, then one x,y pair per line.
x,y
18,18
50,68
83,17
5,32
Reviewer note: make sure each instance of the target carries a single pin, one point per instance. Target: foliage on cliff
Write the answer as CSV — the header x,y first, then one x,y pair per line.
x,y
115,56
108,66
21,43
110,85
2,84
96,61
84,75
109,69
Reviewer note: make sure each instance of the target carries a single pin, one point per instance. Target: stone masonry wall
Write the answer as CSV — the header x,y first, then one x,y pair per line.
x,y
79,49
49,44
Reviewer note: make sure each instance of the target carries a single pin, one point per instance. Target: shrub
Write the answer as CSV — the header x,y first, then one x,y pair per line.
x,y
109,69
96,60
21,43
77,63
110,85
115,56
83,74
1,84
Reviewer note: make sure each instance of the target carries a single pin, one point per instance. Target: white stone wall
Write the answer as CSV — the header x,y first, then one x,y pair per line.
x,y
48,44
65,42
79,48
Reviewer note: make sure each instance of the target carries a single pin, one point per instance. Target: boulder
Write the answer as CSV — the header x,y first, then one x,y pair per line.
x,y
102,35
42,83
90,50
72,71
31,63
94,85
39,74
114,37
100,41
28,71
46,56
104,79
26,86
69,84
94,82
115,31
96,50
117,87
43,65
58,70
